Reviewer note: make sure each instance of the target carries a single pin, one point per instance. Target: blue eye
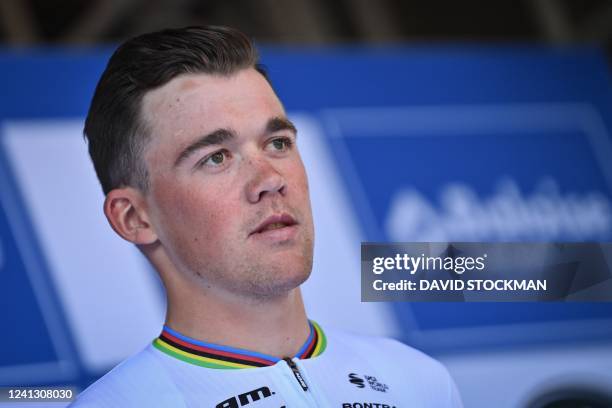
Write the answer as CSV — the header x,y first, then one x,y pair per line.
x,y
215,159
282,144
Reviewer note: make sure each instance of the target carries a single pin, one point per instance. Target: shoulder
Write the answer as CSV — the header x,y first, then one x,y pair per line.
x,y
381,349
392,359
130,383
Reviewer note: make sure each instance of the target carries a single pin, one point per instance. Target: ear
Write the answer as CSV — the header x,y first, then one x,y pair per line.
x,y
127,214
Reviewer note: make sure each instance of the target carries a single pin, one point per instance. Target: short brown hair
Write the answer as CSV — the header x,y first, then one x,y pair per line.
x,y
114,128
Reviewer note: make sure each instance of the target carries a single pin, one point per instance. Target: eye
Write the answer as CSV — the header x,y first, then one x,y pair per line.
x,y
281,144
215,159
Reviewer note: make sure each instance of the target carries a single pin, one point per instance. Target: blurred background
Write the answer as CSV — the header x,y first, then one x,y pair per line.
x,y
418,121
313,22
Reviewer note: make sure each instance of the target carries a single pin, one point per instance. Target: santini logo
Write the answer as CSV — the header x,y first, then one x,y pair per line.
x,y
246,398
354,379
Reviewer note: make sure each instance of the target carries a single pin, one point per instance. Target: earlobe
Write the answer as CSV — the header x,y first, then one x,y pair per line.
x,y
126,213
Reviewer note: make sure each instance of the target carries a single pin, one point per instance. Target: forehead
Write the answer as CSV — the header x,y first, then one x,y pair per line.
x,y
192,105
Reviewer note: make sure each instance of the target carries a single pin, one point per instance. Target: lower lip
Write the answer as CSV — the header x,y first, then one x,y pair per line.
x,y
277,235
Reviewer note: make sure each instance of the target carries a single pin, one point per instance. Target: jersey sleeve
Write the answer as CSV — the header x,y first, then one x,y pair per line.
x,y
139,381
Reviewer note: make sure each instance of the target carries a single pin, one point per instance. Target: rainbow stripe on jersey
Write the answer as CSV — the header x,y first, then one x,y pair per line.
x,y
223,357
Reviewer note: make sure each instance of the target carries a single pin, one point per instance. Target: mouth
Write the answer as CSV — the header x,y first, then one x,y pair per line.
x,y
274,223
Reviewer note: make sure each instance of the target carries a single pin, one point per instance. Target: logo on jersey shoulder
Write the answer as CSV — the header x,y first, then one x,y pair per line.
x,y
246,398
353,378
372,382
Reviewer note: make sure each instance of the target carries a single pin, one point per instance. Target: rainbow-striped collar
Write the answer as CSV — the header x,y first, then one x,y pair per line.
x,y
215,356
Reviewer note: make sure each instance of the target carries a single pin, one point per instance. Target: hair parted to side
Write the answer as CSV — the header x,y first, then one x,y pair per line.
x,y
114,128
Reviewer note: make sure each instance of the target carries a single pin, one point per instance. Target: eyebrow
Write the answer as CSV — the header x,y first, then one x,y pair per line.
x,y
280,123
216,137
221,135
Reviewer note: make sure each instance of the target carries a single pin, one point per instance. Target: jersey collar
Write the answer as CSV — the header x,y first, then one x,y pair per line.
x,y
216,356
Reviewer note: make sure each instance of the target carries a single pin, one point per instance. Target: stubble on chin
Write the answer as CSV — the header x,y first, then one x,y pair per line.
x,y
262,281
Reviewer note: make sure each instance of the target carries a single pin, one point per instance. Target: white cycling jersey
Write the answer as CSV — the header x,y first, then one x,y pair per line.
x,y
331,370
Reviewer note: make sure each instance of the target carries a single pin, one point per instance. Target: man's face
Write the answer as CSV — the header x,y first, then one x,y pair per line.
x,y
228,195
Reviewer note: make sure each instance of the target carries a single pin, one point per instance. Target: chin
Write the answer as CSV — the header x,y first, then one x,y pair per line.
x,y
277,280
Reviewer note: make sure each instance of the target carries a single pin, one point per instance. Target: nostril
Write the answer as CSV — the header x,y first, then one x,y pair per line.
x,y
265,180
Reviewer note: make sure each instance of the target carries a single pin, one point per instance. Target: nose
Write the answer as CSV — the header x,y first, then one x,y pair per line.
x,y
264,180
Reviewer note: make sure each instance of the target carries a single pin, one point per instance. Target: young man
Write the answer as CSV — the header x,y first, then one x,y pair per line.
x,y
200,169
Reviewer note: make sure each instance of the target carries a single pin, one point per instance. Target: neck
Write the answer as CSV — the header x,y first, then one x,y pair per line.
x,y
276,326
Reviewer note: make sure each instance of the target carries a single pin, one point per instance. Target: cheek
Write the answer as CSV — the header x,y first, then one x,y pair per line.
x,y
191,215
299,178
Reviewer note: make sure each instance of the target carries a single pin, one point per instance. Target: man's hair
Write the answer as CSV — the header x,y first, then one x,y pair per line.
x,y
115,129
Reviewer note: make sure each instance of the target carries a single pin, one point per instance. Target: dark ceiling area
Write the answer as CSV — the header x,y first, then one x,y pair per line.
x,y
78,22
